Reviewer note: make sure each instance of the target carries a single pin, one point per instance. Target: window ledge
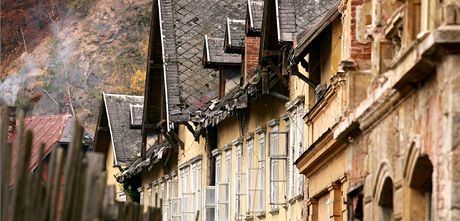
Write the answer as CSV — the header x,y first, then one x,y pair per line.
x,y
249,218
275,211
294,199
262,215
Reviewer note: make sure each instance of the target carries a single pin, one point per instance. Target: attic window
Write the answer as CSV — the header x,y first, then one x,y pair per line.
x,y
135,116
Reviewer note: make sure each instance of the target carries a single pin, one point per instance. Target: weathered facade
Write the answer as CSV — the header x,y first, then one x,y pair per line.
x,y
402,135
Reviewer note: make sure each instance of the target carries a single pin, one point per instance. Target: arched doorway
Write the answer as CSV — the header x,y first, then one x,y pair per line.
x,y
386,200
419,190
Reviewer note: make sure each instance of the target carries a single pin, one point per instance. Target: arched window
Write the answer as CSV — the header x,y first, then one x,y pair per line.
x,y
386,200
420,188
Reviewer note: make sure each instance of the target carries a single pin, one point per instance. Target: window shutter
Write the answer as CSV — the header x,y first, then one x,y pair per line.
x,y
210,203
240,194
278,168
224,201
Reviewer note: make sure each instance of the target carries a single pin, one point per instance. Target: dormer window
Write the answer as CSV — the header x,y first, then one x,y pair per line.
x,y
135,116
228,65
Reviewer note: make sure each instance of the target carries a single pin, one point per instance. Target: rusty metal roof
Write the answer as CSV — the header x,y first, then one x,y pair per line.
x,y
48,130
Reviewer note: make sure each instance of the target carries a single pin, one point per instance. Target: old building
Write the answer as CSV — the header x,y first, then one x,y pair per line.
x,y
301,110
118,135
403,134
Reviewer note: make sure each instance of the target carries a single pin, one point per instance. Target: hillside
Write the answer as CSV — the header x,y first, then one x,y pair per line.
x,y
73,52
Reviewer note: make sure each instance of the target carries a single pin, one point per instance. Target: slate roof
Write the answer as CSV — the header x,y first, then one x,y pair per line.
x,y
126,141
184,23
305,38
234,36
255,9
296,16
313,13
214,54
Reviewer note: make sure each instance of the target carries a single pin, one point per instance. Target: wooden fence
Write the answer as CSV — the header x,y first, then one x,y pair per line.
x,y
75,188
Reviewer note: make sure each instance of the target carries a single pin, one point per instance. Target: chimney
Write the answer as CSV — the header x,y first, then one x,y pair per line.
x,y
251,57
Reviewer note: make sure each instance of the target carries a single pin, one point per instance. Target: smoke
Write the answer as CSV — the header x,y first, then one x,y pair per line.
x,y
49,64
11,85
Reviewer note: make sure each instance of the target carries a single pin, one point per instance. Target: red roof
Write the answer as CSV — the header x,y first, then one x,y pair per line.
x,y
47,130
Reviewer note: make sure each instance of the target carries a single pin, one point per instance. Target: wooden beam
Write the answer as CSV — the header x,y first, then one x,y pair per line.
x,y
304,78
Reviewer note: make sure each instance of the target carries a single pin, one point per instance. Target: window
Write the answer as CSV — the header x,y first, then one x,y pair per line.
x,y
165,206
292,154
252,176
261,175
300,148
141,194
223,191
328,210
210,203
218,168
155,195
295,150
174,199
149,195
196,189
278,167
187,195
240,178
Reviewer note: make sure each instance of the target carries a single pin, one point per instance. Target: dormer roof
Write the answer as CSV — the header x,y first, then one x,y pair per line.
x,y
234,36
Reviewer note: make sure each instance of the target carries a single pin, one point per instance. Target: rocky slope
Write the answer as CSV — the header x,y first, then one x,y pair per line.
x,y
94,46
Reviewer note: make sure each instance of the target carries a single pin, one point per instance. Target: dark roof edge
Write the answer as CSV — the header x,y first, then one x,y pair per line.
x,y
310,35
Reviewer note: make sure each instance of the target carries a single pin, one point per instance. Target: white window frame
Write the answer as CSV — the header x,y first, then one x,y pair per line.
x,y
165,203
240,183
210,203
141,194
278,164
261,175
300,141
292,154
186,195
328,210
149,195
252,171
223,189
196,189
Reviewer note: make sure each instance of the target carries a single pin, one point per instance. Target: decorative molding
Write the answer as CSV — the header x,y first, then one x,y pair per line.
x,y
227,147
273,123
237,141
215,152
190,161
295,102
260,130
249,136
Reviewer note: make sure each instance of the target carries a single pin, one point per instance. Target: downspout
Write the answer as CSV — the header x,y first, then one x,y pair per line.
x,y
168,128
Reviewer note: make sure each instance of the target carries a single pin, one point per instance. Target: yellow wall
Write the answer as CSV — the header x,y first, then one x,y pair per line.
x,y
260,113
112,171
